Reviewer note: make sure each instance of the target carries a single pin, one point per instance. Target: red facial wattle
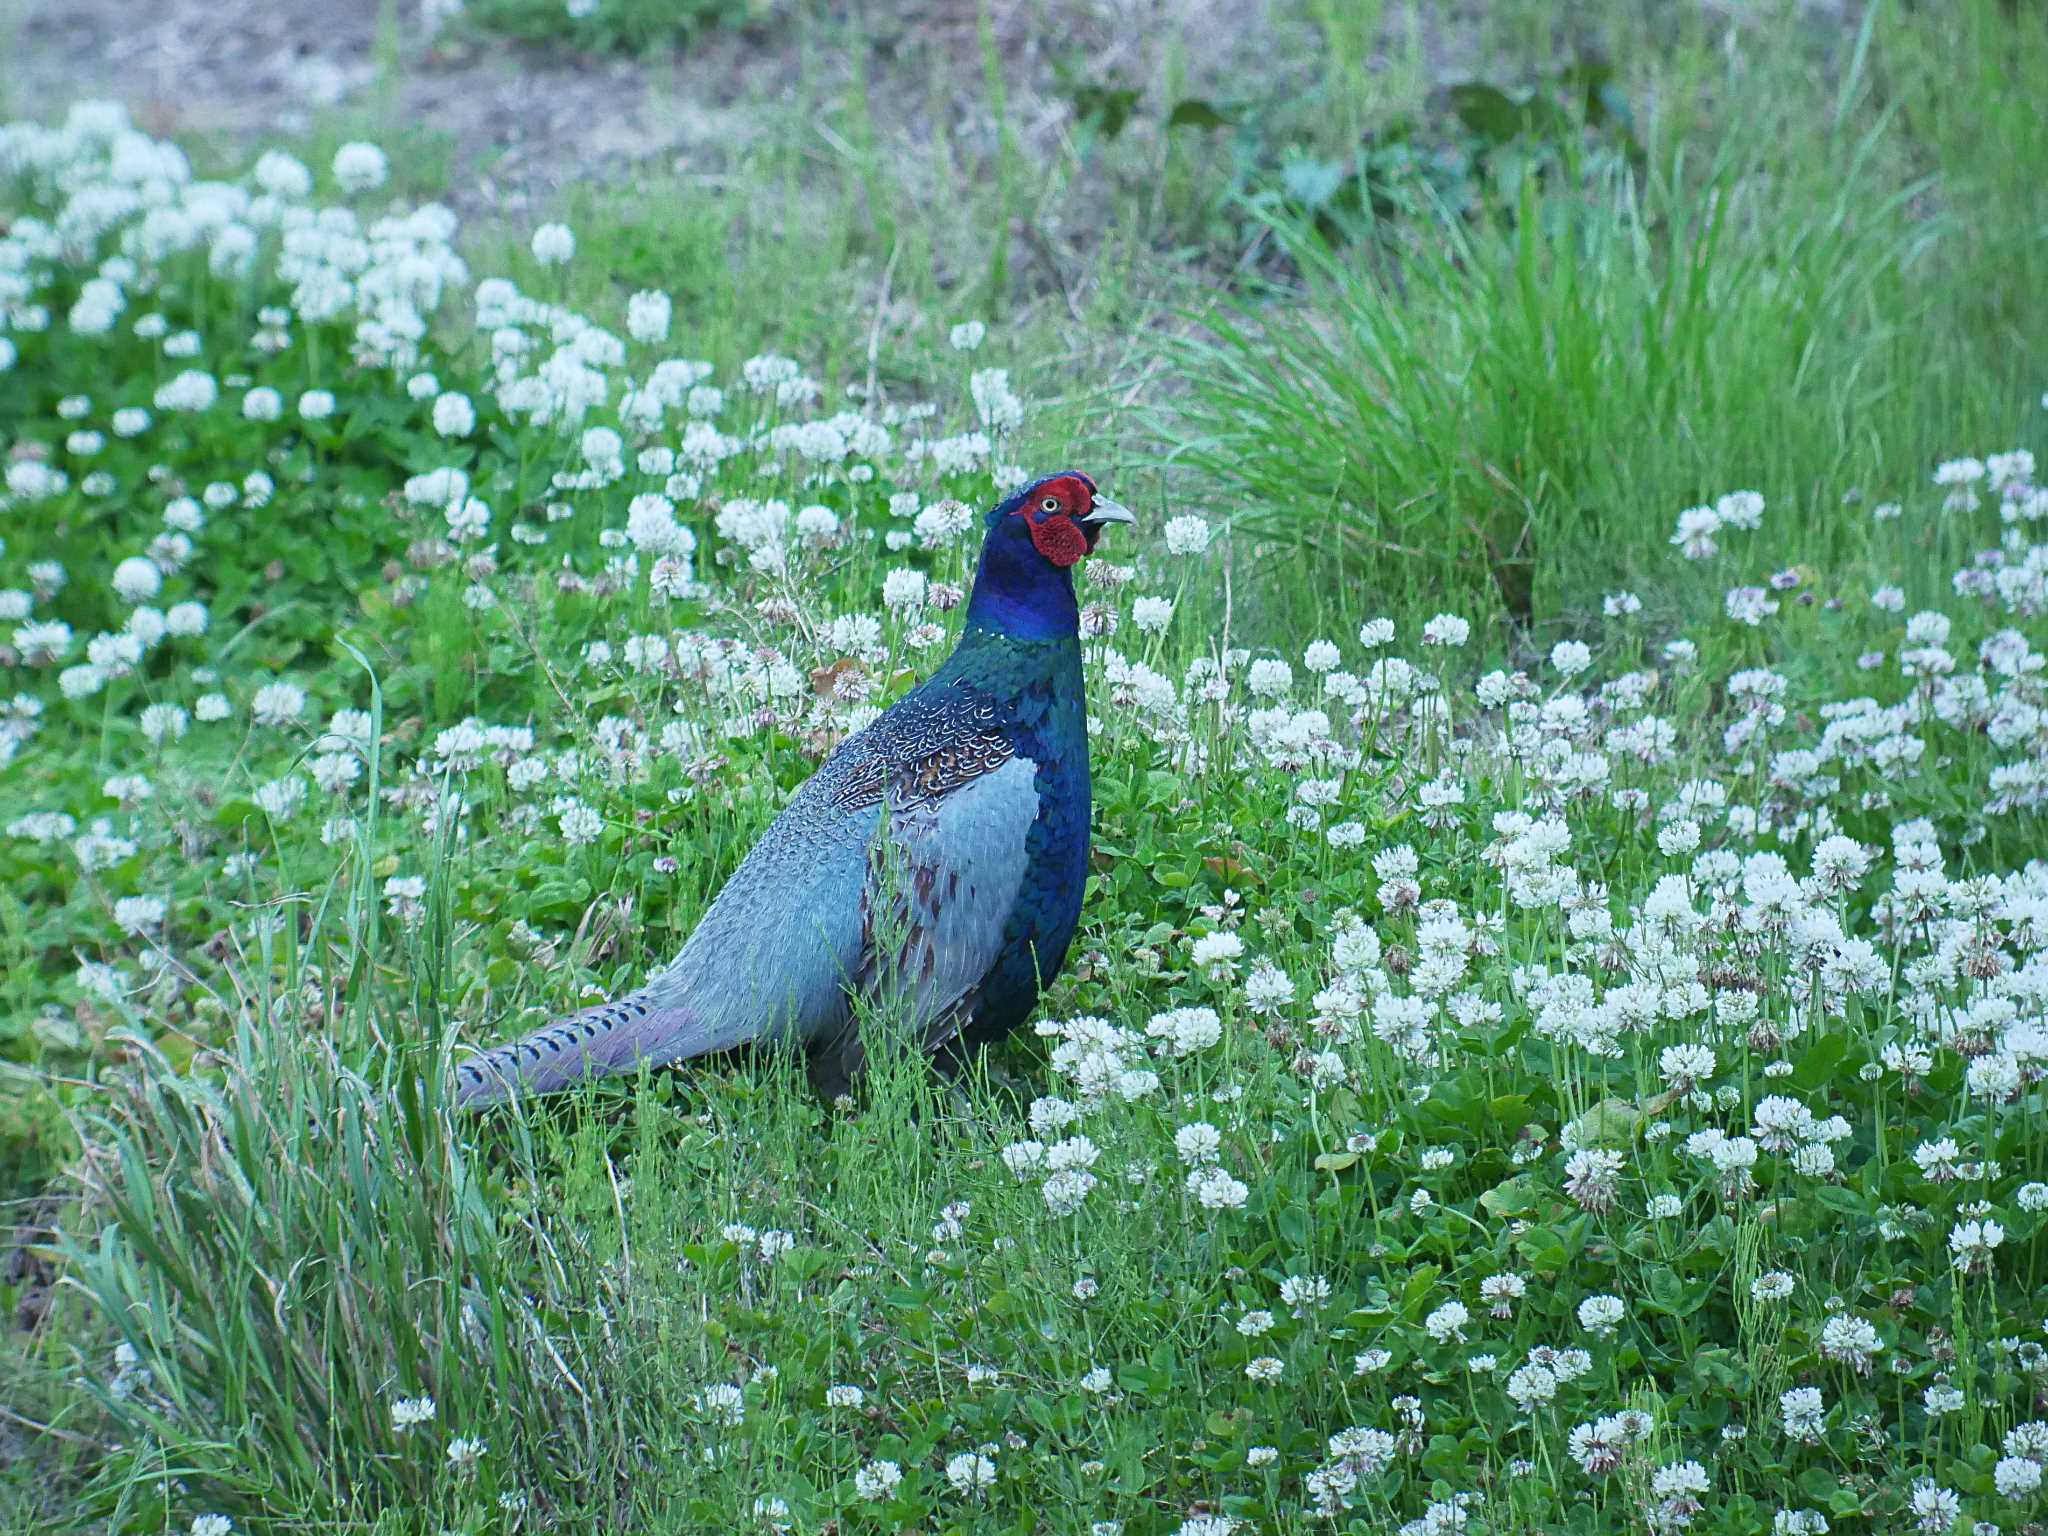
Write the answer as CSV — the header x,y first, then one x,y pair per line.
x,y
1055,536
1052,515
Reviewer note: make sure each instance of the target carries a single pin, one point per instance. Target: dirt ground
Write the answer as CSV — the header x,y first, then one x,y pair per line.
x,y
523,122
520,122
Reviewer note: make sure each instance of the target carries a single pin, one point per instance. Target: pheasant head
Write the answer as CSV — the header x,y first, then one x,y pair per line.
x,y
1024,585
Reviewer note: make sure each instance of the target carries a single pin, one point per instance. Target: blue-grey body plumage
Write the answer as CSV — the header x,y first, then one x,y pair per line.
x,y
933,868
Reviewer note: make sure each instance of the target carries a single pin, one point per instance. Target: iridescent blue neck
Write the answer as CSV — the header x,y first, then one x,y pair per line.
x,y
1018,592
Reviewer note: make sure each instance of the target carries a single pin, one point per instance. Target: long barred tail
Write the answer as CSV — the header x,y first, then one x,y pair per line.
x,y
597,1042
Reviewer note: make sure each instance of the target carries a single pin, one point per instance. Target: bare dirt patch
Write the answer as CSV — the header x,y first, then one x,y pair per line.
x,y
518,123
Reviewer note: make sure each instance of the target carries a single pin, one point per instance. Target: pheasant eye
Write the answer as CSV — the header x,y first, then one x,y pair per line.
x,y
1050,504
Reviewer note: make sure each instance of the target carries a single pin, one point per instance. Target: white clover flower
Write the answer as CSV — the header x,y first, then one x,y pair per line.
x,y
405,897
2016,1477
190,392
2029,1440
1997,1076
652,528
464,1453
722,1403
1024,1158
135,915
360,167
283,177
1447,1322
1694,537
942,522
967,335
1601,1315
581,824
1198,1144
647,316
1971,1244
436,488
1851,1341
970,1473
1185,535
164,722
997,405
1216,954
1216,1190
1936,1509
1679,1486
454,415
1740,509
1268,989
146,625
903,591
1531,1386
1151,615
1374,633
1269,677
554,245
1073,1152
877,1480
1186,1030
335,772
1570,657
1593,1176
98,306
408,1413
1774,1286
277,703
137,580
280,799
1501,1292
468,519
1065,1191
80,680
1942,1398
1621,605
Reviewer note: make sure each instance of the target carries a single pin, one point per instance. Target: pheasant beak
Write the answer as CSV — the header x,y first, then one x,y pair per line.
x,y
1107,511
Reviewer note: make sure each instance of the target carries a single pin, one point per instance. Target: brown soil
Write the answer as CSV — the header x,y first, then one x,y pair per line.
x,y
520,123
523,122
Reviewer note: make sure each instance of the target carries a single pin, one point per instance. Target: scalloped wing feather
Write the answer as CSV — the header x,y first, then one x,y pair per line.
x,y
791,931
939,910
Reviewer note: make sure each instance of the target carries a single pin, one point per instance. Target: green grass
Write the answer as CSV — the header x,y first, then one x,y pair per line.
x,y
262,1202
624,26
1505,415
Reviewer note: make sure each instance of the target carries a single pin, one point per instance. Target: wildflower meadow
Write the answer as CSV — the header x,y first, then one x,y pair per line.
x,y
1558,1035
